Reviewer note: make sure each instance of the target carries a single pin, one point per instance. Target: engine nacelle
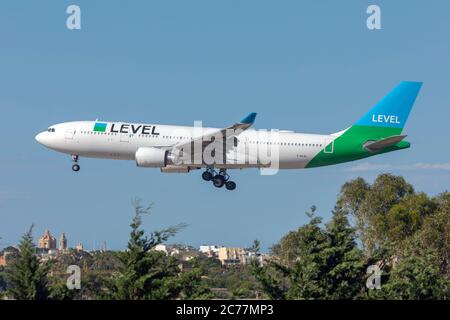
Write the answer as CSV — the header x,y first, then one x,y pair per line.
x,y
151,157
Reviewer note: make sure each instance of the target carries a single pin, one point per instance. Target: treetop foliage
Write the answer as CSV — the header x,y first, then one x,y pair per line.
x,y
404,232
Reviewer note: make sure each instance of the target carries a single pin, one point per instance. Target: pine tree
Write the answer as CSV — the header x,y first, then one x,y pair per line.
x,y
147,274
270,279
26,277
324,263
306,275
295,272
345,265
192,286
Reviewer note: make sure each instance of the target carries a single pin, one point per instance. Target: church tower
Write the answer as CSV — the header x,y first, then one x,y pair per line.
x,y
63,243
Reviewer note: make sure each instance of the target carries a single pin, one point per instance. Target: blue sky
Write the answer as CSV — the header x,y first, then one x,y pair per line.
x,y
308,66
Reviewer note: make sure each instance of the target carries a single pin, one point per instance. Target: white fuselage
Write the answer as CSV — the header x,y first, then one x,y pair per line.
x,y
122,140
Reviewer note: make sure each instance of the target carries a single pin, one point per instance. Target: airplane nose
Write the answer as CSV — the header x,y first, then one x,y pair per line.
x,y
40,138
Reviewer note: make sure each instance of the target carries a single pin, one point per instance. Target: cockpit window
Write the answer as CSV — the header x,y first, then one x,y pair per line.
x,y
51,130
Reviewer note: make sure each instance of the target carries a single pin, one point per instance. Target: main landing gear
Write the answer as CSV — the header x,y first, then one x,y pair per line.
x,y
219,179
76,166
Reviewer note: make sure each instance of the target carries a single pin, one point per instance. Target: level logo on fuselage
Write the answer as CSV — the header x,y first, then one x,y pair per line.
x,y
126,128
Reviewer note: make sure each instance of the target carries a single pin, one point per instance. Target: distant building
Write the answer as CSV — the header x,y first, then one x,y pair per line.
x,y
62,243
210,251
79,247
47,241
261,258
167,249
7,254
160,247
47,254
236,256
231,256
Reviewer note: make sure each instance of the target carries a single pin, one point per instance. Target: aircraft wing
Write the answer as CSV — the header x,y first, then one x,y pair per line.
x,y
224,134
374,146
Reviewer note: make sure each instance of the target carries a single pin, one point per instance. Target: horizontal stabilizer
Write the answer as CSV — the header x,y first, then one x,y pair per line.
x,y
374,146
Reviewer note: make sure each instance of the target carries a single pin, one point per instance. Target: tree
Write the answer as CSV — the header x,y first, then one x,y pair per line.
x,y
414,276
366,203
309,268
26,277
405,233
193,287
286,250
270,278
147,274
295,266
345,263
2,280
435,233
403,219
324,264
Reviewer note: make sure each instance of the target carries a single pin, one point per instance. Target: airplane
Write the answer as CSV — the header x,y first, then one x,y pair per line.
x,y
181,149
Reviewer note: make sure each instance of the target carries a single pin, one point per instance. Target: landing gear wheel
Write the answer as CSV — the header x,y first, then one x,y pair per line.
x,y
230,185
76,167
218,181
207,176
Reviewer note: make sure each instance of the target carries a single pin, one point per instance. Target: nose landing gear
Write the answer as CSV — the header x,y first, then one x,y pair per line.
x,y
219,179
75,166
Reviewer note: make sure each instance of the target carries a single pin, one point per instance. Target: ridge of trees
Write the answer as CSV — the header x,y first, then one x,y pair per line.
x,y
405,233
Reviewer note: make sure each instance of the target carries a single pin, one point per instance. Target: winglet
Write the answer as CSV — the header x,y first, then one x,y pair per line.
x,y
249,119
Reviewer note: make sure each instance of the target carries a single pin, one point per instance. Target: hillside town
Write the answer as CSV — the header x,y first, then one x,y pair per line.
x,y
48,247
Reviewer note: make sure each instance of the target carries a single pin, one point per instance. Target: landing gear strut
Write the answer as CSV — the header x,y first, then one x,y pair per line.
x,y
76,166
219,179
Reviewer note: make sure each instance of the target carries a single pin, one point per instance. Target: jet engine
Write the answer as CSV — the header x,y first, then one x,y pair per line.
x,y
154,158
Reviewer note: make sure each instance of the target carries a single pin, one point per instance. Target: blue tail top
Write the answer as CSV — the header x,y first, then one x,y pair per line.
x,y
393,110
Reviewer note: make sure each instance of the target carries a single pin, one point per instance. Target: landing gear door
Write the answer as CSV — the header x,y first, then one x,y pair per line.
x,y
70,132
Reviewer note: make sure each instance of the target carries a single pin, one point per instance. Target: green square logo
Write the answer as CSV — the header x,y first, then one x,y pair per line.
x,y
100,127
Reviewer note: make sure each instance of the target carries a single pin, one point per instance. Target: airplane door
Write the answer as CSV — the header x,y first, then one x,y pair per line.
x,y
329,146
70,132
